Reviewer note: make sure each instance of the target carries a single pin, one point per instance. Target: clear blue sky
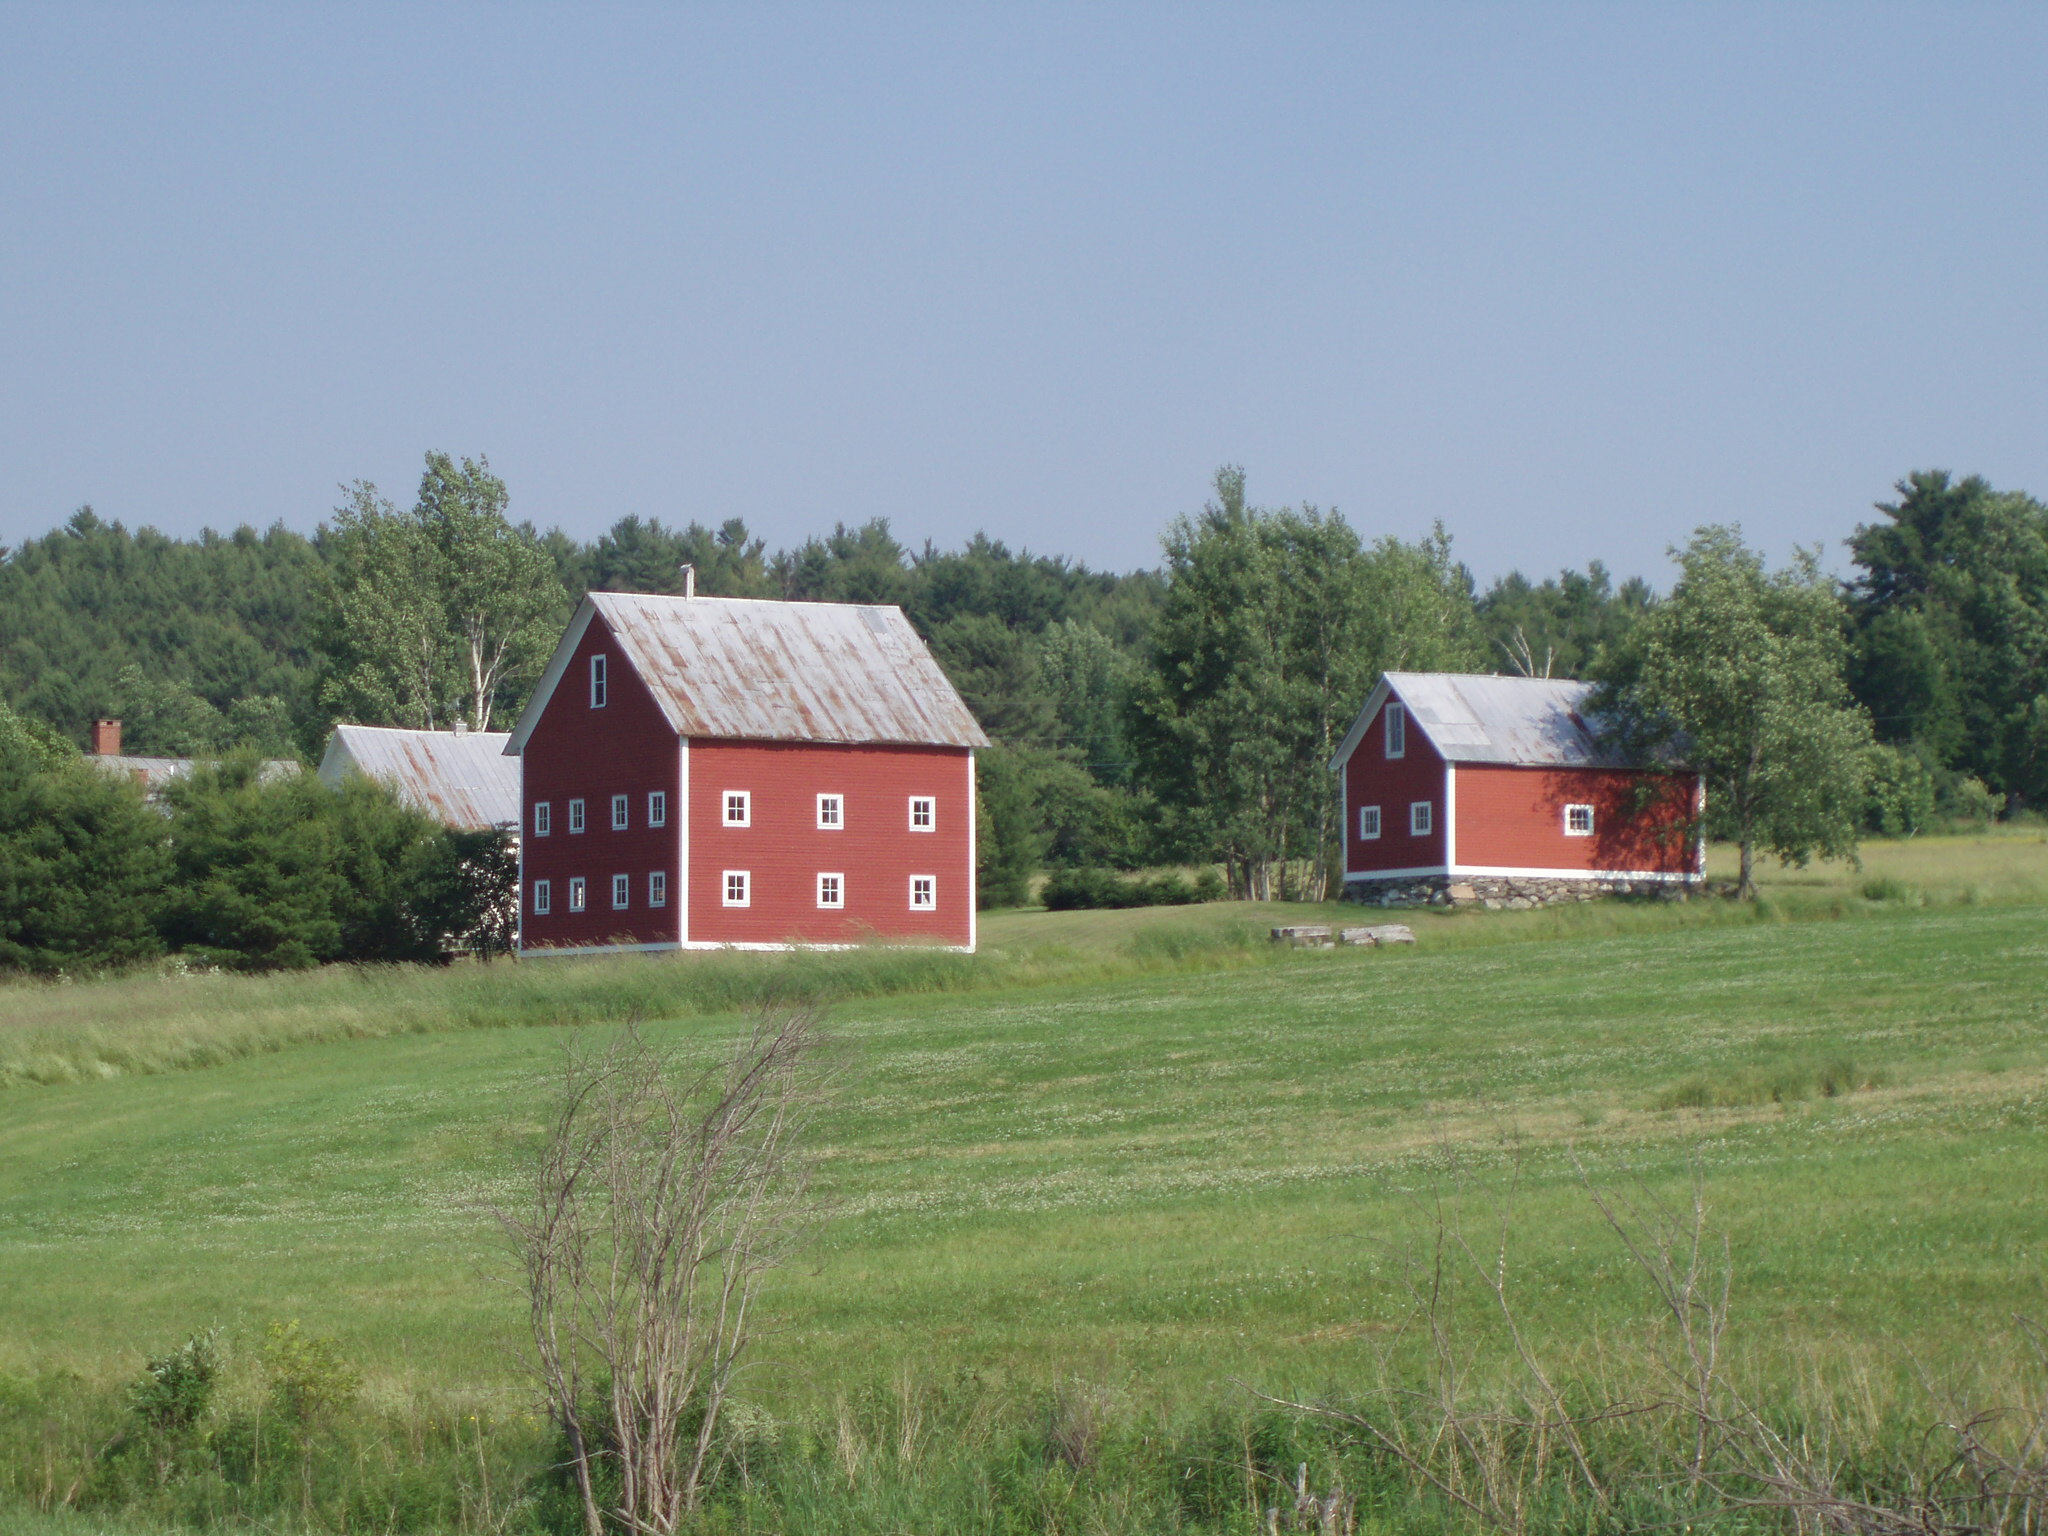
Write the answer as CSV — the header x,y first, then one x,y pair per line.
x,y
1572,279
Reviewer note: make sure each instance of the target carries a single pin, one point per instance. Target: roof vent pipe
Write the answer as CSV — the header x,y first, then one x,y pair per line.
x,y
689,581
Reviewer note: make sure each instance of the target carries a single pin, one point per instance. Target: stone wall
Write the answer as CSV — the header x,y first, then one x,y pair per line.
x,y
1497,893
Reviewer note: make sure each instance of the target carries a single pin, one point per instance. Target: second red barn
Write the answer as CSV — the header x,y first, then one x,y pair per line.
x,y
1461,787
702,772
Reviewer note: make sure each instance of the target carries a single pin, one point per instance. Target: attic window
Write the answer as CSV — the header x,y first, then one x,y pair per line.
x,y
597,692
1578,821
738,808
1397,730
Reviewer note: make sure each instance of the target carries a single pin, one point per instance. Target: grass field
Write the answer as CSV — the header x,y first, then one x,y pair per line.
x,y
1135,1156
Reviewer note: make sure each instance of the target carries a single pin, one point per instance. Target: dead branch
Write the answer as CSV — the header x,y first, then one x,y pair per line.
x,y
662,1194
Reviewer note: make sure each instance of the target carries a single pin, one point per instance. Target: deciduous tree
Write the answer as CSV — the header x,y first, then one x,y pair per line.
x,y
1740,675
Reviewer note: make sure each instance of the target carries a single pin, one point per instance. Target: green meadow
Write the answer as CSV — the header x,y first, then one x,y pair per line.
x,y
1121,1171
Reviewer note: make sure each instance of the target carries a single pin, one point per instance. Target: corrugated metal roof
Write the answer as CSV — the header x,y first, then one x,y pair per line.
x,y
461,778
1530,721
153,773
746,669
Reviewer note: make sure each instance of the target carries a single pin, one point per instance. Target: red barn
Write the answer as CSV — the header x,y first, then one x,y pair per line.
x,y
1495,789
701,772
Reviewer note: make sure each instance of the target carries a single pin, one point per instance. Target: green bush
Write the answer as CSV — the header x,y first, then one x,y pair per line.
x,y
82,861
1086,889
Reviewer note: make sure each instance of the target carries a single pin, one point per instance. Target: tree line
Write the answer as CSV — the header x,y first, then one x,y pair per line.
x,y
1184,713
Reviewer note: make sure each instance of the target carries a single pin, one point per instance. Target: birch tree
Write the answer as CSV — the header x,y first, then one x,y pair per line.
x,y
440,615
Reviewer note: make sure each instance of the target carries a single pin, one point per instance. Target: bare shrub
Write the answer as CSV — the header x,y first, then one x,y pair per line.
x,y
662,1194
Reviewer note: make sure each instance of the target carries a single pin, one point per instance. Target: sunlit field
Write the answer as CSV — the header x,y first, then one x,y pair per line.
x,y
1141,1156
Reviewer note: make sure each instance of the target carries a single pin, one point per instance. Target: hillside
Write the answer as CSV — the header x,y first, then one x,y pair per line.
x,y
1146,1180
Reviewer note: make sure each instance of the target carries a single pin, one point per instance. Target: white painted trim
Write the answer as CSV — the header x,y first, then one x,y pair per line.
x,y
1356,734
1395,874
1450,813
973,856
830,874
682,826
551,677
752,947
525,896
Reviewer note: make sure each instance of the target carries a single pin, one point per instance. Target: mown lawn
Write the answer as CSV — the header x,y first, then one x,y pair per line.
x,y
1156,1183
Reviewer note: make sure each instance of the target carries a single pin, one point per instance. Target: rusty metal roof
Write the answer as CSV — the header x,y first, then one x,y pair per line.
x,y
1536,722
753,670
460,778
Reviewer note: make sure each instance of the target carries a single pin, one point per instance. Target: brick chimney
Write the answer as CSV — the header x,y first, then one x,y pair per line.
x,y
106,738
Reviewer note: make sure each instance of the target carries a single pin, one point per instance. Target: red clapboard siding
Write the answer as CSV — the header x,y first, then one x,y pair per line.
x,y
1513,818
784,850
1371,779
624,748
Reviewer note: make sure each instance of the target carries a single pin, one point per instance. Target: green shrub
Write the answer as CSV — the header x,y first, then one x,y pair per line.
x,y
310,1381
82,862
1085,889
1886,889
175,1390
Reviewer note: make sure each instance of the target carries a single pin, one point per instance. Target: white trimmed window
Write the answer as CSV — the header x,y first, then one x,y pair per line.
x,y
1368,822
831,812
575,815
543,898
1578,821
831,890
597,683
543,818
657,888
622,892
738,888
657,807
739,808
924,893
1397,730
1421,818
576,894
924,813
622,814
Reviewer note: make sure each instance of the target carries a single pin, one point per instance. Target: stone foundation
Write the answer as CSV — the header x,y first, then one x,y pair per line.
x,y
1497,893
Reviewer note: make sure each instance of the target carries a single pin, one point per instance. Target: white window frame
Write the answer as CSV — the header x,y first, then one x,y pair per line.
x,y
831,813
576,818
622,813
543,817
657,807
931,893
745,802
577,891
599,687
744,886
622,892
657,888
1368,823
1395,734
543,897
1421,818
1572,831
834,898
930,805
